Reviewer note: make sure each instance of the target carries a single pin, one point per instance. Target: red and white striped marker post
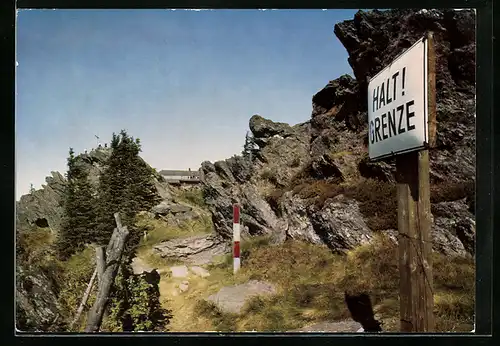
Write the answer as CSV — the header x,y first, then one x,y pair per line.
x,y
236,238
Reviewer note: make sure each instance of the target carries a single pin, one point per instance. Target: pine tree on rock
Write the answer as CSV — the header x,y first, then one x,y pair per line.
x,y
249,147
78,227
126,186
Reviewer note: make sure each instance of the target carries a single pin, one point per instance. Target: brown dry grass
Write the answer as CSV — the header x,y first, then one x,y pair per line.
x,y
311,282
378,199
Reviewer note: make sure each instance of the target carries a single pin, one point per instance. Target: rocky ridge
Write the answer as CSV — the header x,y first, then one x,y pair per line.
x,y
332,146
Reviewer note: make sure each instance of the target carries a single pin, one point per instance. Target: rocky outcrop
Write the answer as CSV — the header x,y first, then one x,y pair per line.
x,y
374,39
37,308
333,145
341,225
283,152
454,228
299,225
43,207
197,250
232,299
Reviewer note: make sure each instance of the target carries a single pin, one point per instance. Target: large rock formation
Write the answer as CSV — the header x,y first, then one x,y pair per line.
x,y
37,308
283,152
43,207
332,146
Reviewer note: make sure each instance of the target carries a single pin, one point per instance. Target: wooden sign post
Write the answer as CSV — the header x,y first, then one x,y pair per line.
x,y
409,135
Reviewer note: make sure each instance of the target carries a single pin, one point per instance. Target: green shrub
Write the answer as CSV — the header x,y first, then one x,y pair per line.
x,y
135,305
78,270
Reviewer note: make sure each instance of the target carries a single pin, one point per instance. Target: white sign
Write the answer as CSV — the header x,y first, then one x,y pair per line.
x,y
397,105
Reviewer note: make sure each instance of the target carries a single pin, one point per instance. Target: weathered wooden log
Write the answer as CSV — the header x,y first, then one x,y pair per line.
x,y
84,299
114,253
100,257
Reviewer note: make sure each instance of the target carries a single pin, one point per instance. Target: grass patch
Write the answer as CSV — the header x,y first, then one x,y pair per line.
x,y
271,175
311,282
78,270
223,322
193,196
35,246
160,230
374,269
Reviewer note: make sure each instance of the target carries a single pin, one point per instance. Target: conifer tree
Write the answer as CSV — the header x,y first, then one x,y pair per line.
x,y
249,147
79,219
126,186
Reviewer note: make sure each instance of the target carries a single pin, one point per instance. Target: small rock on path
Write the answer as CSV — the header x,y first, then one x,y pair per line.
x,y
139,266
179,271
199,271
232,298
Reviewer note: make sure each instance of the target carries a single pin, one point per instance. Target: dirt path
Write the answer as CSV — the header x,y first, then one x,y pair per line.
x,y
180,293
182,304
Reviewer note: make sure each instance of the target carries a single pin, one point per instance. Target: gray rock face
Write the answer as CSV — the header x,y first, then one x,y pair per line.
x,y
374,39
36,302
283,152
454,228
161,209
299,225
333,145
263,128
168,207
42,207
341,225
231,299
197,250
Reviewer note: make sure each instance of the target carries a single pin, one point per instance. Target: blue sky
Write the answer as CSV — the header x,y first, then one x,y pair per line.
x,y
184,82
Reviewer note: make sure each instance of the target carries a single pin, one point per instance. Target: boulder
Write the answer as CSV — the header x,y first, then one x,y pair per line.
x,y
183,286
197,250
161,209
199,271
341,225
179,271
37,307
231,299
